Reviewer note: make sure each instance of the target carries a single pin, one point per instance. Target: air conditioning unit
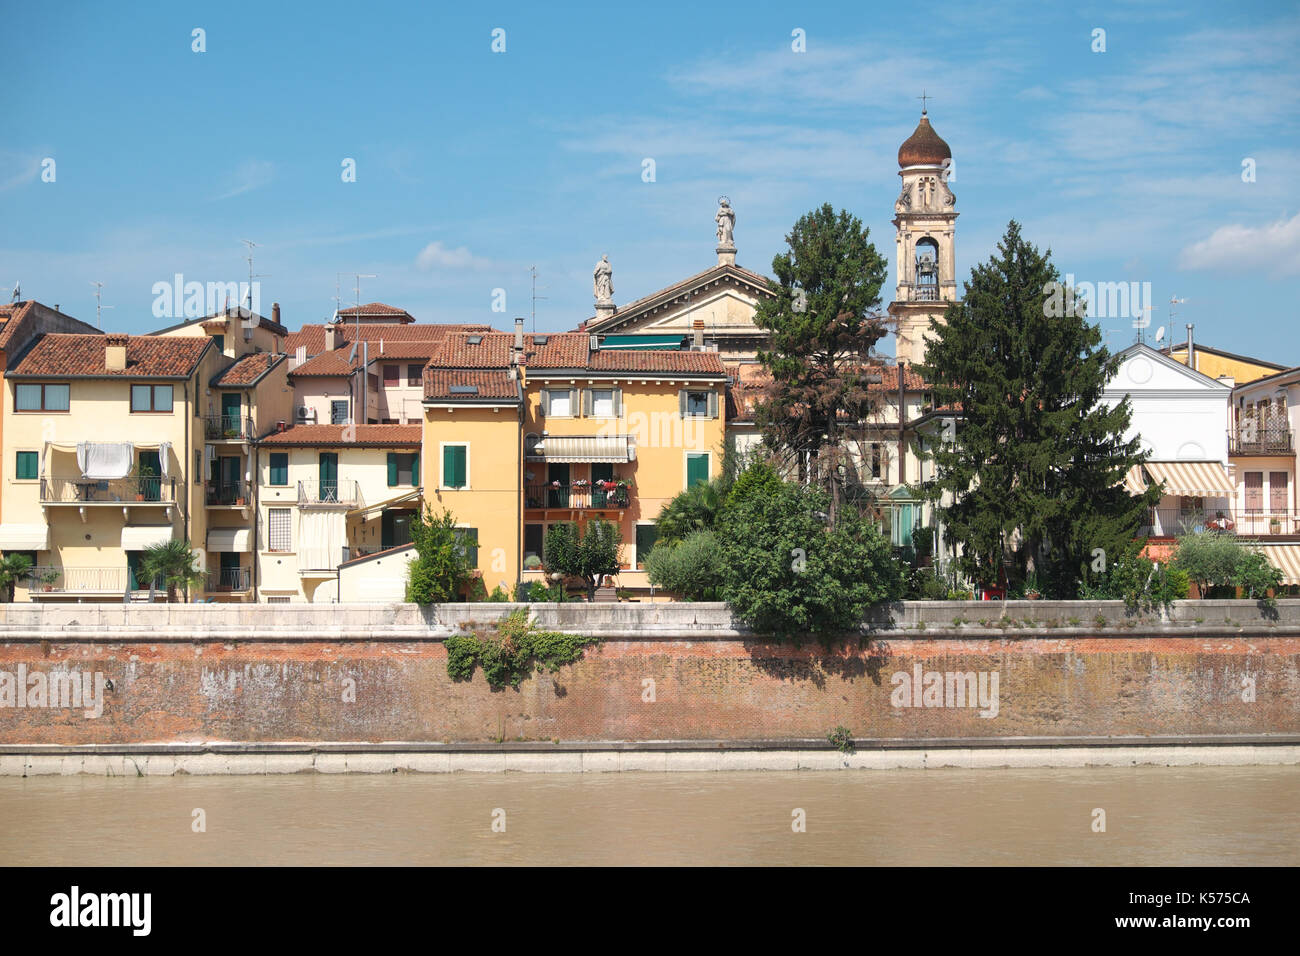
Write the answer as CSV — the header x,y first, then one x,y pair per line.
x,y
304,414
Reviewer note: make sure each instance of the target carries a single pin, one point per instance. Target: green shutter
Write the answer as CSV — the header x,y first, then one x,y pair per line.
x,y
27,464
646,535
392,469
462,472
449,466
279,468
415,469
697,469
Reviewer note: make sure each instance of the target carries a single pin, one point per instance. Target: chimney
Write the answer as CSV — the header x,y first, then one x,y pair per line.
x,y
275,312
115,352
697,328
331,337
517,353
1191,348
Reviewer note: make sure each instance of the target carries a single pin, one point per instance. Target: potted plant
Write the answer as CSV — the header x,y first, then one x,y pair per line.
x,y
1274,525
1031,587
47,579
145,490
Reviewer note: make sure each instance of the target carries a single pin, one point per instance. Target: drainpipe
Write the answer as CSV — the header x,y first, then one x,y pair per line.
x,y
256,455
902,426
185,470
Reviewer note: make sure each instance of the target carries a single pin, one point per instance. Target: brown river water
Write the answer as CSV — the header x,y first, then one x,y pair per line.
x,y
1153,816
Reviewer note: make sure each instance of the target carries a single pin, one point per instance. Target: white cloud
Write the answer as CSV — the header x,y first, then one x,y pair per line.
x,y
437,256
1274,247
17,169
251,174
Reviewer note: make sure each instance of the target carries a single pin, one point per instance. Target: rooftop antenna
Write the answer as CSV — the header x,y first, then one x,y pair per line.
x,y
357,289
18,293
532,271
99,306
1142,322
1173,301
251,246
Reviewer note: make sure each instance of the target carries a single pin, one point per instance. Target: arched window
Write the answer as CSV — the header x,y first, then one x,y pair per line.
x,y
927,271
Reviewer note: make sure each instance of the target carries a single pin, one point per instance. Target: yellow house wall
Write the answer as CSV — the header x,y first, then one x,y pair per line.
x,y
493,500
1207,363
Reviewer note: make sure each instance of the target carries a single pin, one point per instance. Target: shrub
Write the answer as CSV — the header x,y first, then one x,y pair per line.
x,y
512,650
499,596
441,566
841,738
1220,563
691,567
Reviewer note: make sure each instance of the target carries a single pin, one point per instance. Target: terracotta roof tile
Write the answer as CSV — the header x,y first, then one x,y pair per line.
x,y
620,360
147,356
247,370
313,335
458,350
403,436
14,316
489,384
327,364
377,308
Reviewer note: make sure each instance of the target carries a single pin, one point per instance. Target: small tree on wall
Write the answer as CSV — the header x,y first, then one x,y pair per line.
x,y
12,569
590,556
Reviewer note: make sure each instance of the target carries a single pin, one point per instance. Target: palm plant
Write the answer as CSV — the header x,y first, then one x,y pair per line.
x,y
695,509
173,561
12,568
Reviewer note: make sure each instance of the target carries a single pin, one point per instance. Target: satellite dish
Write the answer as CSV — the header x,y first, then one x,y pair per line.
x,y
1160,334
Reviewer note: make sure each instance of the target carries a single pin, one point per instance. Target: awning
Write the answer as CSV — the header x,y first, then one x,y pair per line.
x,y
1200,479
380,506
142,536
1134,482
230,540
1287,558
600,448
24,537
644,342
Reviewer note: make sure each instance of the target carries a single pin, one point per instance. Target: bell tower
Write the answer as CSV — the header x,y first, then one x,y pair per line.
x,y
924,217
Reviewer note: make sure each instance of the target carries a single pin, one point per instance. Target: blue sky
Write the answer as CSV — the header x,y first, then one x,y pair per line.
x,y
473,166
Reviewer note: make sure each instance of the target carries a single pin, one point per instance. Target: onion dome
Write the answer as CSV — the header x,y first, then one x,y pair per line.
x,y
924,147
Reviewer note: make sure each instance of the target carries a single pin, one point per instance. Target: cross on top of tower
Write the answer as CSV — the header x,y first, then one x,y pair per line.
x,y
923,98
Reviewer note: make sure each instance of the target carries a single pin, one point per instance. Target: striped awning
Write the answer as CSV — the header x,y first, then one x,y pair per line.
x,y
1287,558
24,537
1201,479
599,448
230,540
1134,482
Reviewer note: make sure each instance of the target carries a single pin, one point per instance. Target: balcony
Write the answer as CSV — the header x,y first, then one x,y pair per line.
x,y
133,489
229,580
235,493
329,494
1269,437
581,497
1248,522
47,580
227,428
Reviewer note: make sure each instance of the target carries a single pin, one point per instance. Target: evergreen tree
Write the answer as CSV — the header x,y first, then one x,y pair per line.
x,y
1036,463
824,325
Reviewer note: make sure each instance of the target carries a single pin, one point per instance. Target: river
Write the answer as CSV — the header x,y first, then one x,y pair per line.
x,y
1153,816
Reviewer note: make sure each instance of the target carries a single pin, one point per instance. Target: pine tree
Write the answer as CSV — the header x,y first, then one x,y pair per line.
x,y
1036,463
824,326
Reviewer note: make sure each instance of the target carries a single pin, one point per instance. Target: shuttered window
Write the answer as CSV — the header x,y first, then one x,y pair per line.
x,y
403,468
697,468
697,403
1277,491
467,538
1254,491
279,468
279,529
454,466
646,535
27,465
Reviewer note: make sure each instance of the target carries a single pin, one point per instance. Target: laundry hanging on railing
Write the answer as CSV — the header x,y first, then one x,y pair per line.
x,y
105,459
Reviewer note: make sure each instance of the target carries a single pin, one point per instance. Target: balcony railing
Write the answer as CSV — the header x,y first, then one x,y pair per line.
x,y
227,493
1171,522
132,488
228,427
1270,438
325,494
52,580
574,496
230,579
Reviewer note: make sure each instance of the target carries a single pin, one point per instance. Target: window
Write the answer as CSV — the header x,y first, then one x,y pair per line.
x,y
646,535
152,398
1277,491
602,403
221,342
698,404
279,529
876,455
339,412
559,402
467,538
278,599
414,374
41,398
1254,491
28,464
392,376
403,468
373,381
697,468
279,468
455,466
534,535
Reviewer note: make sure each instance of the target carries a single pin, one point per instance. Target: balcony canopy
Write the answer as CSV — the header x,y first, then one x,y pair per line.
x,y
230,540
144,536
1199,479
599,448
1287,558
108,460
24,537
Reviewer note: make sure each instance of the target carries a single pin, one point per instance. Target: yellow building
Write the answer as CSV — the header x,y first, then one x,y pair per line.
x,y
1216,363
106,437
530,431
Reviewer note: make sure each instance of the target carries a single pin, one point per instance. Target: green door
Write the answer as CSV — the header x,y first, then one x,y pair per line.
x,y
227,480
697,469
149,468
601,472
329,476
557,497
230,424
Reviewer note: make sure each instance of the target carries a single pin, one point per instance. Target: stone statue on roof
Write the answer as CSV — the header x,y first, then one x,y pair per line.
x,y
603,280
726,220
